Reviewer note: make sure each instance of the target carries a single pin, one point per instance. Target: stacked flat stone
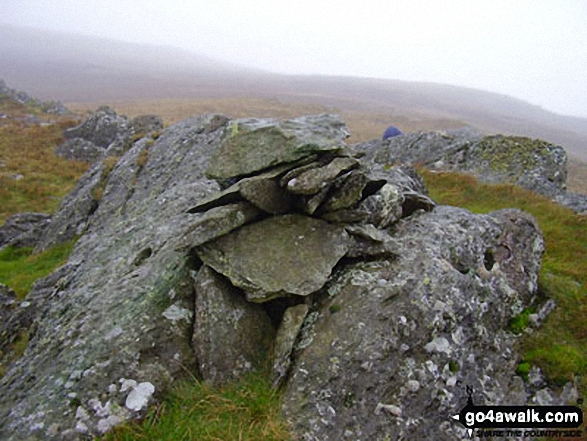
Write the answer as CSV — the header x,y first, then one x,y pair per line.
x,y
296,201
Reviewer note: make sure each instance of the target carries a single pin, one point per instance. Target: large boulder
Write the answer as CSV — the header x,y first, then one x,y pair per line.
x,y
530,163
391,346
101,128
105,133
118,315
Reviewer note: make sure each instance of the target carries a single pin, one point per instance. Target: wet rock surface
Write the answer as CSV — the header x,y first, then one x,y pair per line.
x,y
372,306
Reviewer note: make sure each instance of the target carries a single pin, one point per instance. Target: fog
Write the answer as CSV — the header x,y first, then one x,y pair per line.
x,y
530,49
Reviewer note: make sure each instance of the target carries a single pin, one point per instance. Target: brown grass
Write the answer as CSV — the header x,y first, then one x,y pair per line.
x,y
364,124
32,177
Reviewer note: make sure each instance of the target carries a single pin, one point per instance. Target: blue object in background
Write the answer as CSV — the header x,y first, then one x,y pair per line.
x,y
391,131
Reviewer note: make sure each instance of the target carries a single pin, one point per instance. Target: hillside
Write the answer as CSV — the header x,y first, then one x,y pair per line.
x,y
91,71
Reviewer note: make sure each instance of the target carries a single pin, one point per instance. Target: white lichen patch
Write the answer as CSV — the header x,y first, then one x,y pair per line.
x,y
176,313
115,332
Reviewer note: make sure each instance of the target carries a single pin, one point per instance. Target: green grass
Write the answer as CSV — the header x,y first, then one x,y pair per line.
x,y
249,410
19,267
559,347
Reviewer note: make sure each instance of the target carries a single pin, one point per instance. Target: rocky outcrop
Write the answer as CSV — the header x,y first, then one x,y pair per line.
x,y
362,297
50,107
532,164
389,347
105,133
23,230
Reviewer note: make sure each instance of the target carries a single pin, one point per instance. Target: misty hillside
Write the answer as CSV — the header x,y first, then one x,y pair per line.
x,y
77,68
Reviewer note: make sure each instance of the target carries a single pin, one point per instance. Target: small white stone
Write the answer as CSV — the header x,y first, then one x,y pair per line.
x,y
413,385
139,396
127,384
81,427
81,414
439,344
389,408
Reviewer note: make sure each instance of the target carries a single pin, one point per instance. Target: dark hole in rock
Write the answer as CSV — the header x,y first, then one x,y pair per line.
x,y
373,187
143,255
410,205
488,260
276,308
93,207
193,260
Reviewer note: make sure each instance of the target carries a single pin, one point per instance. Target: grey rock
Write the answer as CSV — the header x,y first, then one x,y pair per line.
x,y
78,149
396,314
416,318
23,229
267,195
146,124
289,329
256,144
384,207
231,336
217,222
71,218
278,256
347,193
120,309
529,163
315,179
101,128
261,190
7,302
575,201
369,242
50,107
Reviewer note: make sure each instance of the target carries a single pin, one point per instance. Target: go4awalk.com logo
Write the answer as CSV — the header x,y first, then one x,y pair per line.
x,y
520,421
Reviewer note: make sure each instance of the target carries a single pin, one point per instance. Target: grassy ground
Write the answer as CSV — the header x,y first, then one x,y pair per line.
x,y
19,267
32,177
249,410
560,346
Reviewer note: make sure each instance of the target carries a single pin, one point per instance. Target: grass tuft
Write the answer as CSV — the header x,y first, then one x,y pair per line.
x,y
249,410
32,177
19,267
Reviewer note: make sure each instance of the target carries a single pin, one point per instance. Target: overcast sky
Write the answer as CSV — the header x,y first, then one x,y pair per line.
x,y
535,50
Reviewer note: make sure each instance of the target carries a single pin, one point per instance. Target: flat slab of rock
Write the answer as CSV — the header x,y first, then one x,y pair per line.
x,y
217,222
292,322
314,180
231,336
278,256
252,145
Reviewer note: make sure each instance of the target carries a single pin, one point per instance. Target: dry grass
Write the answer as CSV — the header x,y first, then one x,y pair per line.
x,y
32,177
577,177
365,124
